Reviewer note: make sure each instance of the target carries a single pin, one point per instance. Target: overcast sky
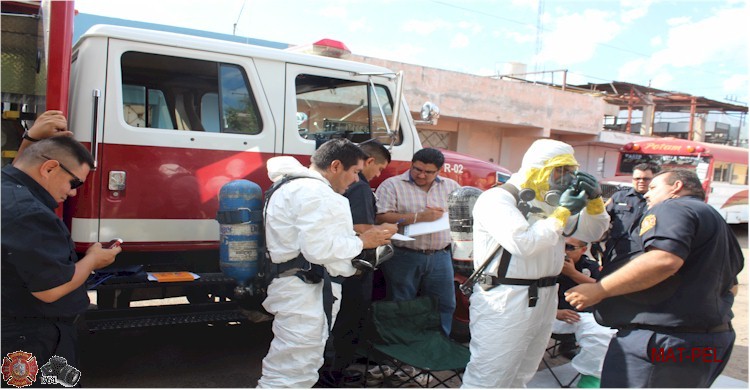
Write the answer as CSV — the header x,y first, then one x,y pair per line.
x,y
696,47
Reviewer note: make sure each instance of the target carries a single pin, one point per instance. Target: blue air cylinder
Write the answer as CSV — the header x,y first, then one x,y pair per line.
x,y
240,219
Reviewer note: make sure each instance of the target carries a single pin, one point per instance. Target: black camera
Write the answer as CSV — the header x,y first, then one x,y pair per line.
x,y
59,368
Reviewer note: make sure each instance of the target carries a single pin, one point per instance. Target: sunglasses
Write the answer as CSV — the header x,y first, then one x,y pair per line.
x,y
569,247
75,182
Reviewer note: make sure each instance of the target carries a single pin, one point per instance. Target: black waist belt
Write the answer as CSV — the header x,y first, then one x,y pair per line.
x,y
311,274
424,251
681,329
66,320
534,284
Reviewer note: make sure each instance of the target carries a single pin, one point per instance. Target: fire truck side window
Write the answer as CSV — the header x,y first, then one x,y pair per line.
x,y
167,92
329,108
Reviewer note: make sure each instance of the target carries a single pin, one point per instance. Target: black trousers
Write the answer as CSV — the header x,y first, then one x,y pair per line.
x,y
644,358
43,339
356,297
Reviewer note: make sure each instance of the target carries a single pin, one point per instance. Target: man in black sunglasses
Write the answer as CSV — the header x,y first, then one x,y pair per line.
x,y
43,292
625,209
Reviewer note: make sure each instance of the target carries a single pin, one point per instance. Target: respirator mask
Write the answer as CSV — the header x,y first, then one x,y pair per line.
x,y
560,179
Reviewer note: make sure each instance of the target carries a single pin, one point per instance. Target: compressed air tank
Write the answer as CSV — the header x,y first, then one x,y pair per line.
x,y
460,205
240,219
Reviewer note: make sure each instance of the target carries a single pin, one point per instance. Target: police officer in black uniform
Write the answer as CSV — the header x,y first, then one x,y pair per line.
x,y
672,304
625,209
43,291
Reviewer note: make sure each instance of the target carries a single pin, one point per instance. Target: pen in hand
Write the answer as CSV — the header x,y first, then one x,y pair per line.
x,y
400,221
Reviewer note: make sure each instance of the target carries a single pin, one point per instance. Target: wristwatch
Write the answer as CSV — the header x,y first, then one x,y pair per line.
x,y
28,137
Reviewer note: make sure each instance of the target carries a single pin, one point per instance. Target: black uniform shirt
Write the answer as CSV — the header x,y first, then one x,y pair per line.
x,y
625,212
363,212
698,295
585,266
37,251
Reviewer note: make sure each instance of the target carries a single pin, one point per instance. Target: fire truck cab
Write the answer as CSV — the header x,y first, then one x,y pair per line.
x,y
171,118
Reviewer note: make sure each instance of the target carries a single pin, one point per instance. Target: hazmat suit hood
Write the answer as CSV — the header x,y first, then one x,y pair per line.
x,y
540,160
288,165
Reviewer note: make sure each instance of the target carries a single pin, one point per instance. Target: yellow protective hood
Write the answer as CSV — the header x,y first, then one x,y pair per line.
x,y
540,160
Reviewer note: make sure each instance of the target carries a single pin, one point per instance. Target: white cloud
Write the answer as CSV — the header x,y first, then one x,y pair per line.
x,y
573,37
678,21
633,10
474,28
661,80
720,35
521,37
737,85
424,27
460,40
704,48
533,4
359,25
656,41
333,12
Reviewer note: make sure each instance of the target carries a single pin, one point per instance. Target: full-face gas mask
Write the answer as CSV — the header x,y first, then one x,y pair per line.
x,y
560,179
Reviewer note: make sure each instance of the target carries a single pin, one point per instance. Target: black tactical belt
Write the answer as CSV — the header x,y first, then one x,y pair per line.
x,y
534,284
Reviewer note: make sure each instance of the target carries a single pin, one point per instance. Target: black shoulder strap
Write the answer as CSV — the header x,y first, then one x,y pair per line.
x,y
502,268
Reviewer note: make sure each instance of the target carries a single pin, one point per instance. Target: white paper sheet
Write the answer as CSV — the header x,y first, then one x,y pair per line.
x,y
420,228
401,237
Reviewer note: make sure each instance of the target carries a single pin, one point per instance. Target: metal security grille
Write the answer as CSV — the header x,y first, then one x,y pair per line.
x,y
436,139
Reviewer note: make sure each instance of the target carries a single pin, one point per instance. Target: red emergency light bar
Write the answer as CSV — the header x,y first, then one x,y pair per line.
x,y
330,48
632,146
324,47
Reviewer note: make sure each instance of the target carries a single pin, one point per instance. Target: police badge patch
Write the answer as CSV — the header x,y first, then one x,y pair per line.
x,y
648,222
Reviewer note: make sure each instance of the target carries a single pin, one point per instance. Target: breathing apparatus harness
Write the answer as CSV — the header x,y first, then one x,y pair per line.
x,y
299,266
522,203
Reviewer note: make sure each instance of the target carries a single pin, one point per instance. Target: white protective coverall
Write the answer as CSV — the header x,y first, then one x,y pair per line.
x,y
508,338
594,341
307,216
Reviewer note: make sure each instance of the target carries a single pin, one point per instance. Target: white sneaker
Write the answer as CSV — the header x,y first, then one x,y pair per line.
x,y
406,372
378,372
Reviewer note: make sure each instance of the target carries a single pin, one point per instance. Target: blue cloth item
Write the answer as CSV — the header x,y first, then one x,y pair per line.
x,y
410,272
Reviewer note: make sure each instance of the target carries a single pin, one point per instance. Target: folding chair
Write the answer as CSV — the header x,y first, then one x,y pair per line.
x,y
408,333
554,351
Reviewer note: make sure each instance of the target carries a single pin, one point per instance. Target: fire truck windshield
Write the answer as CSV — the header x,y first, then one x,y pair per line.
x,y
665,161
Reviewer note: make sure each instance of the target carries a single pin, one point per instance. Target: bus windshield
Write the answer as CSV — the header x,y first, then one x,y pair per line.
x,y
665,161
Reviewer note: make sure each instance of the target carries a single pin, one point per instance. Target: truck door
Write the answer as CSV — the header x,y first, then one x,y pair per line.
x,y
177,125
324,103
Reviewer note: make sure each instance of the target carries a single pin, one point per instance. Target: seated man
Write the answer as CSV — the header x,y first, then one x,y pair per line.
x,y
592,337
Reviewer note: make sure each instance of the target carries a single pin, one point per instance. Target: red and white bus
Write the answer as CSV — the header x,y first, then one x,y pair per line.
x,y
721,168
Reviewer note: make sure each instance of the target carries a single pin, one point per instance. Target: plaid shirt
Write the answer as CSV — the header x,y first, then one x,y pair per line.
x,y
401,195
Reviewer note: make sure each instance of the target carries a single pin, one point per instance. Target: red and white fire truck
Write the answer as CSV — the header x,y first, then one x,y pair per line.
x,y
170,119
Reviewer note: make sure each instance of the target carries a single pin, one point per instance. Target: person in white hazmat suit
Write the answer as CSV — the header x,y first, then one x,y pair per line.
x,y
510,328
309,216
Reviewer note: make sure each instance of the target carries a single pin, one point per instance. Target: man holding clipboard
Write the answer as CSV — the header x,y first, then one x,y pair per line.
x,y
416,196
